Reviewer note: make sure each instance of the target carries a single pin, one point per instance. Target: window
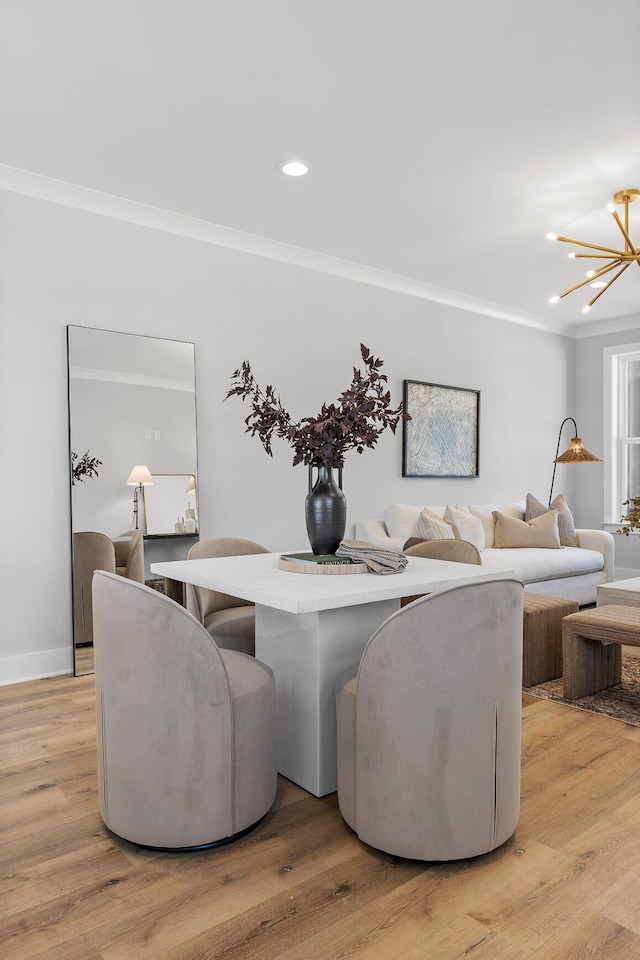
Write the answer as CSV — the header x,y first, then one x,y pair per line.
x,y
622,401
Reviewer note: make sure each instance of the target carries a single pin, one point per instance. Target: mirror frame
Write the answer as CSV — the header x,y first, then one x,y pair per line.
x,y
162,546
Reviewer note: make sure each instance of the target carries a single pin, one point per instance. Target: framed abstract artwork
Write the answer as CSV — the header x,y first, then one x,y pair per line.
x,y
442,437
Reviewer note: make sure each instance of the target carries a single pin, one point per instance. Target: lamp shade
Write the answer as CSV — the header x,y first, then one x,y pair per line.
x,y
577,453
191,486
140,477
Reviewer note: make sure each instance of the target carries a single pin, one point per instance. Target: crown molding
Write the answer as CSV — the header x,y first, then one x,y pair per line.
x,y
78,197
618,325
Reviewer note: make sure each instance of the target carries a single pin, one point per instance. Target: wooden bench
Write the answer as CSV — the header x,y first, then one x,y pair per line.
x,y
591,648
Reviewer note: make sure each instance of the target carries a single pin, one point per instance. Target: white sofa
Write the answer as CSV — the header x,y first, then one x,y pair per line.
x,y
572,572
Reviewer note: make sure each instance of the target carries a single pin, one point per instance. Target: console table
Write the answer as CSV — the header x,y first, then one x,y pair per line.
x,y
309,630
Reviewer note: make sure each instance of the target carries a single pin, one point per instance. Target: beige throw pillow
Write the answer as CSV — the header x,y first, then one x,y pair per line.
x,y
540,532
432,527
566,525
466,526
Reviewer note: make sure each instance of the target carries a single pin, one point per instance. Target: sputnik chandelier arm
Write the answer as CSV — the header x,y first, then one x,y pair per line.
x,y
613,258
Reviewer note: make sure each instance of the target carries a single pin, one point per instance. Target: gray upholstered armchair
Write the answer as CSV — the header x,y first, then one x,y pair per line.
x,y
456,551
429,726
95,551
129,552
91,551
230,621
186,731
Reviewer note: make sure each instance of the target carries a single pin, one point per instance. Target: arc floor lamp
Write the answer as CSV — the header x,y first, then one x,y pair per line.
x,y
576,453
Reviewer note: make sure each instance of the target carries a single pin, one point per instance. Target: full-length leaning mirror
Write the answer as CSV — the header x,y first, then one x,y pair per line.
x,y
133,456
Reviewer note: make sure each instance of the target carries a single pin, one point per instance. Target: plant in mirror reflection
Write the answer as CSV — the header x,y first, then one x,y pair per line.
x,y
83,467
632,520
355,421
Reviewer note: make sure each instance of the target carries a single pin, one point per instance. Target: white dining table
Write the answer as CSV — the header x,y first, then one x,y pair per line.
x,y
309,629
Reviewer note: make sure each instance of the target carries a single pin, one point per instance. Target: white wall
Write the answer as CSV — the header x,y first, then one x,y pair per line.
x,y
589,413
301,330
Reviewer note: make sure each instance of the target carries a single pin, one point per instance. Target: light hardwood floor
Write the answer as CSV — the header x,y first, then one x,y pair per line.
x,y
302,886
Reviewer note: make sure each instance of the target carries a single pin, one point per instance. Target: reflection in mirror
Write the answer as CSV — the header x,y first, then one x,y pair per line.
x,y
131,405
169,505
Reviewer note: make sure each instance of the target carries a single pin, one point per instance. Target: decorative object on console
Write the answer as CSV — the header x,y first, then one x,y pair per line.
x,y
355,421
139,478
613,258
83,467
441,439
166,503
577,453
632,520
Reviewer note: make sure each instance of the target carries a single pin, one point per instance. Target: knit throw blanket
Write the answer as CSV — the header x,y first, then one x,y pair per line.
x,y
377,559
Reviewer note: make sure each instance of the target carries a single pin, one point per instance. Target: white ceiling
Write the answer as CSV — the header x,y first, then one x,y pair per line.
x,y
445,140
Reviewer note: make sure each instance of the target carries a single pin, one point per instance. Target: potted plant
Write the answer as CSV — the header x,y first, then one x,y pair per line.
x,y
355,421
632,519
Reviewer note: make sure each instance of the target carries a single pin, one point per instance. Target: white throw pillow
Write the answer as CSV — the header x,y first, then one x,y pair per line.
x,y
466,526
432,527
400,519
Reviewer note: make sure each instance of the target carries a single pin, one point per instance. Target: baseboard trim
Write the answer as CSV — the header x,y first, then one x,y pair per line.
x,y
36,666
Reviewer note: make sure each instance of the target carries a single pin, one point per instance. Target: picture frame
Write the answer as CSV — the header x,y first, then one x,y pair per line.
x,y
442,438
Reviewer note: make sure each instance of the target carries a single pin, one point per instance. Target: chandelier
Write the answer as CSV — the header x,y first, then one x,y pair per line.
x,y
614,259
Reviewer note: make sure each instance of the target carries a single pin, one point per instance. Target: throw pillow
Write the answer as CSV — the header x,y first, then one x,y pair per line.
x,y
485,513
400,519
432,527
568,535
539,532
466,526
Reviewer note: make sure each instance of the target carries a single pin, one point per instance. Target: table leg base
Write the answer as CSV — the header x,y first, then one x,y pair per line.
x,y
307,653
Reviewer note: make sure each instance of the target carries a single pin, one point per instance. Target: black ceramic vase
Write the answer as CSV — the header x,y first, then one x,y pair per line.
x,y
325,511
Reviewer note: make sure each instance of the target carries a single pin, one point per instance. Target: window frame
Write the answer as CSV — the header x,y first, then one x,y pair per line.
x,y
616,436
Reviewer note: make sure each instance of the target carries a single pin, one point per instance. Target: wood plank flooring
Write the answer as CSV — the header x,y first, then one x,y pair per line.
x,y
302,886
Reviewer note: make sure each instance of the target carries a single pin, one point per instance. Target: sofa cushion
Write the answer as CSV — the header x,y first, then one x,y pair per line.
x,y
539,532
566,526
485,513
401,518
531,565
432,527
466,526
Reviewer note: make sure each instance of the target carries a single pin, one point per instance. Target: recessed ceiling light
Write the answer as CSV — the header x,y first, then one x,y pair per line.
x,y
294,168
598,283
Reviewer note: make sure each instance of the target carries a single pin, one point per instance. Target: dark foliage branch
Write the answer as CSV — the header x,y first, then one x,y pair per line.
x,y
83,467
353,422
632,519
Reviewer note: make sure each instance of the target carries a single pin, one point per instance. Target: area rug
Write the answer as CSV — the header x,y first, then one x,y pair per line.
x,y
621,702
